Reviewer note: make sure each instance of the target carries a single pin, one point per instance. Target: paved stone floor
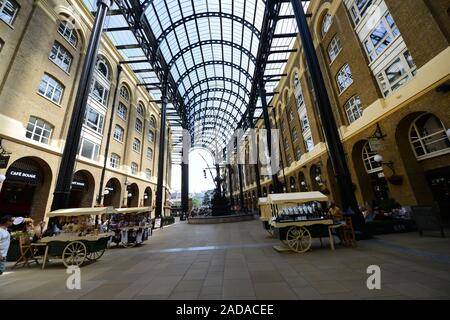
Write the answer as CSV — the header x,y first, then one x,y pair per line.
x,y
237,261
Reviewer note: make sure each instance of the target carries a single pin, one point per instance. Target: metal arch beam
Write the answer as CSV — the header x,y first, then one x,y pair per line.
x,y
196,112
199,134
206,80
187,105
211,41
221,124
195,16
213,62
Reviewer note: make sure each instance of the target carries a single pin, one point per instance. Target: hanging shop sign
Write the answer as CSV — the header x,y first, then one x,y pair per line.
x,y
110,189
376,145
4,161
77,184
21,175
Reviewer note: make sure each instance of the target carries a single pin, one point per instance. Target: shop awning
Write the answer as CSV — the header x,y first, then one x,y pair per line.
x,y
132,210
296,197
80,212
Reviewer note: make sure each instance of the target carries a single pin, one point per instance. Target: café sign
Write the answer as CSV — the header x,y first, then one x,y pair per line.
x,y
28,176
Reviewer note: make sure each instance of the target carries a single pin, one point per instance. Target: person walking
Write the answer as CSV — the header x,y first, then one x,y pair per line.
x,y
5,239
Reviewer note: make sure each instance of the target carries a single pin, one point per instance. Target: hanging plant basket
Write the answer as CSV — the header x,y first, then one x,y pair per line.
x,y
395,179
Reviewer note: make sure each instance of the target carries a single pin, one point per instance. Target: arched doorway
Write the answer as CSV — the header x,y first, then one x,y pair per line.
x,y
292,184
314,172
372,183
302,182
26,188
112,193
148,197
424,147
132,195
82,190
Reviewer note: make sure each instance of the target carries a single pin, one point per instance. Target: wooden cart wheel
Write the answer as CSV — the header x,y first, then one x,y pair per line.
x,y
95,255
74,254
298,239
270,230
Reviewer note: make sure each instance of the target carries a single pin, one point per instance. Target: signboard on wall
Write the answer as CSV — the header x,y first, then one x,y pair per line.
x,y
4,162
21,175
376,145
157,223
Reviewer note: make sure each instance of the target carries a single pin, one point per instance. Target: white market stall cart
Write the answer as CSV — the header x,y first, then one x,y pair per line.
x,y
131,226
299,217
80,239
266,214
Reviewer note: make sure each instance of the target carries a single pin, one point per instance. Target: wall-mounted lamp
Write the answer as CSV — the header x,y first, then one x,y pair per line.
x,y
145,196
2,178
106,192
448,133
130,195
379,158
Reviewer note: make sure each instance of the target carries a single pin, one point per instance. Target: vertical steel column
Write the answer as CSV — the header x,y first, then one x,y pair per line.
x,y
162,142
262,93
184,188
230,180
241,189
335,148
108,137
256,167
65,175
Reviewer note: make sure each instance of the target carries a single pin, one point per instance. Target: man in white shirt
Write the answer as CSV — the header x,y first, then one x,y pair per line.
x,y
5,223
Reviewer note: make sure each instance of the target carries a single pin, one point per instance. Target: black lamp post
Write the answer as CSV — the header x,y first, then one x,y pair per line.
x,y
335,148
65,175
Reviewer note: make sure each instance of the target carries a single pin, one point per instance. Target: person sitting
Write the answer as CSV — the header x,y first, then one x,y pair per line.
x,y
335,212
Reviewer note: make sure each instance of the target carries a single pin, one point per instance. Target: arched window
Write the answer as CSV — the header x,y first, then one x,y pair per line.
x,y
39,130
326,24
344,78
8,10
298,91
148,173
122,111
428,136
134,168
102,67
67,30
368,157
334,48
140,110
138,125
124,93
114,161
136,145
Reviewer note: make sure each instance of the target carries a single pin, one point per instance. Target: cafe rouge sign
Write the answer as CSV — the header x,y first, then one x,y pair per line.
x,y
21,175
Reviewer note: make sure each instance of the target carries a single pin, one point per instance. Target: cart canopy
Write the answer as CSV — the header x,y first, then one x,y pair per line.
x,y
80,212
296,197
132,210
262,201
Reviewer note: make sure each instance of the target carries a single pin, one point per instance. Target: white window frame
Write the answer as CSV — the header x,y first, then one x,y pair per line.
x,y
124,93
114,161
353,109
116,136
103,97
149,153
368,158
138,125
151,135
409,72
55,85
42,125
97,127
137,145
62,57
67,31
392,33
422,139
140,110
148,173
3,4
334,48
122,115
95,149
327,21
134,168
357,14
344,78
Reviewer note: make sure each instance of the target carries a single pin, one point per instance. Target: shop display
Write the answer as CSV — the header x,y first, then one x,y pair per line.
x,y
307,211
131,226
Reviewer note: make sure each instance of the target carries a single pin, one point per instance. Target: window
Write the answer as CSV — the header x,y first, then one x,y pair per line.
x,y
334,48
304,121
381,37
89,149
140,110
51,88
152,122
60,56
291,115
344,78
151,136
136,145
298,153
326,24
99,92
94,120
294,134
124,93
8,10
68,32
428,136
122,111
118,133
114,160
309,143
358,9
149,153
138,125
368,157
298,91
148,173
134,168
39,130
289,159
397,74
353,109
102,67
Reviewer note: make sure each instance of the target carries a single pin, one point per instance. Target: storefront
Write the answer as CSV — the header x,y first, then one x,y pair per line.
x,y
82,191
132,195
112,193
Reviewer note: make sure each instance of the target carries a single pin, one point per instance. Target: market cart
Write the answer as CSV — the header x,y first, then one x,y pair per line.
x,y
266,214
77,238
131,226
299,217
